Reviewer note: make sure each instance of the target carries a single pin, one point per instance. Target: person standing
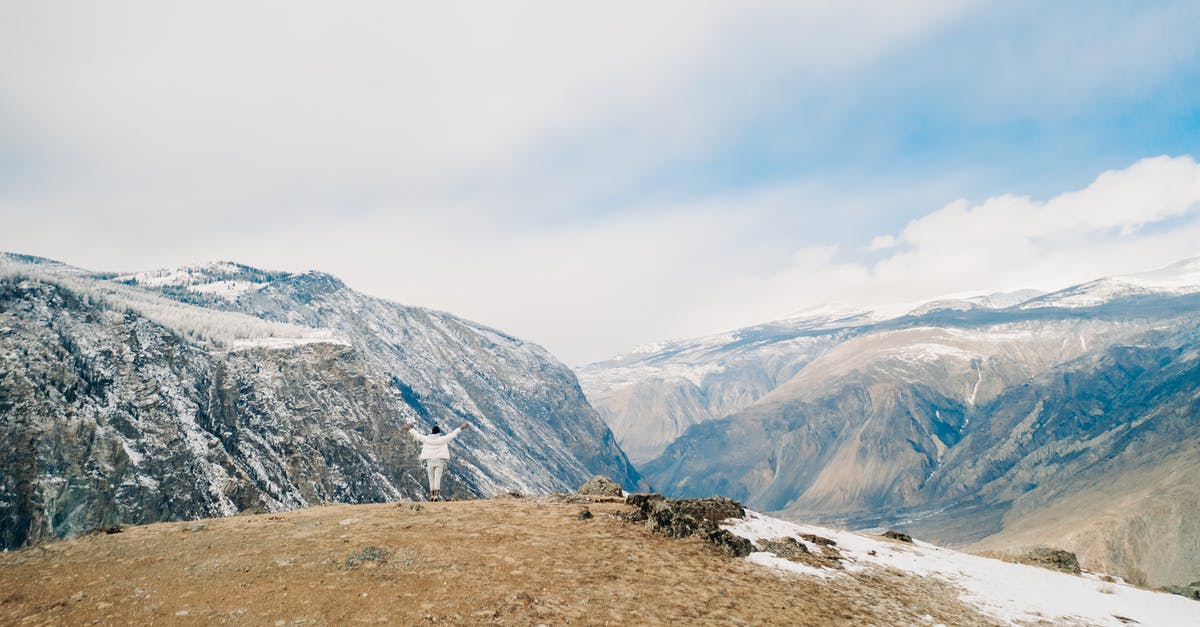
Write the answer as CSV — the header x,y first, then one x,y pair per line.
x,y
435,450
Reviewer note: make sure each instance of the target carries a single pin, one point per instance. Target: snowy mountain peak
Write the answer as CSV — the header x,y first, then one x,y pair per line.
x,y
1184,273
995,300
1176,279
15,260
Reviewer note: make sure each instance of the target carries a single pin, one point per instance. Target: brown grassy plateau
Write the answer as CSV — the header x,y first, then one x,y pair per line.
x,y
504,561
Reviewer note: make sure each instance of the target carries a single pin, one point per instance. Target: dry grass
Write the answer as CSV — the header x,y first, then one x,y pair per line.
x,y
503,561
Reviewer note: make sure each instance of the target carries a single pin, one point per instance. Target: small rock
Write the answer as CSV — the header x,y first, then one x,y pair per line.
x,y
786,547
600,486
586,514
898,535
734,546
348,521
1191,592
1051,558
871,552
182,613
78,596
411,506
369,557
818,540
197,527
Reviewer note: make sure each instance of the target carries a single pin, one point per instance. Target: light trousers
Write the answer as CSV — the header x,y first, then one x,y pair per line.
x,y
436,468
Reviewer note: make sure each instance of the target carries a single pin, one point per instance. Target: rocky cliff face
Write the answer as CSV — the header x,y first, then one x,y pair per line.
x,y
122,402
1068,419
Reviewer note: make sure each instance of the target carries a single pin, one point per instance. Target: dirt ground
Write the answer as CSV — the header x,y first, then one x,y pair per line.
x,y
502,561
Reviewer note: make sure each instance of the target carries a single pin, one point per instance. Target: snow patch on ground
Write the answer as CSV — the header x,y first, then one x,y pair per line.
x,y
1011,593
276,343
226,289
930,351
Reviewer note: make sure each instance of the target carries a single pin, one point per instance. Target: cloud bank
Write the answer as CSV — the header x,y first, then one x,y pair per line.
x,y
592,177
1139,218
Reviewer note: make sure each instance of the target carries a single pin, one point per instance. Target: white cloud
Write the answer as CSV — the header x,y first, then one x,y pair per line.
x,y
453,156
883,242
259,106
436,154
1140,218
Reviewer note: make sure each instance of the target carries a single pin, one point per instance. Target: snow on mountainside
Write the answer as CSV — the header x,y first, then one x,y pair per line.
x,y
653,394
998,300
219,328
960,421
289,393
1174,280
220,278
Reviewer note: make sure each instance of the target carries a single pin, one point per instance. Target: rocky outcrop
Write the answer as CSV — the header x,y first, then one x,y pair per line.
x,y
683,518
113,419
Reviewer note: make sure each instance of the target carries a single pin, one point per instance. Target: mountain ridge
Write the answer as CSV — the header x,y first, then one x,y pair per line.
x,y
897,423
290,393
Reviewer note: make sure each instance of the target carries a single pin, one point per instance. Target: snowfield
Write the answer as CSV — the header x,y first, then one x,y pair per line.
x,y
1010,593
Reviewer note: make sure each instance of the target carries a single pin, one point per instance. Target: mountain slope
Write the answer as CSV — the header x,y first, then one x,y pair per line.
x,y
959,423
651,396
133,404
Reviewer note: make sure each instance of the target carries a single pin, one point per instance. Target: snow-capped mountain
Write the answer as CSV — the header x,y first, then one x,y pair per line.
x,y
1034,422
1177,279
652,394
997,300
220,388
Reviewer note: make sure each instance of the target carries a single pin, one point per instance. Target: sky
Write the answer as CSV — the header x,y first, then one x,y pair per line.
x,y
594,176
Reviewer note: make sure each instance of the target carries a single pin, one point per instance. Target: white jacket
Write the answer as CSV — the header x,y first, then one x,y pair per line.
x,y
434,446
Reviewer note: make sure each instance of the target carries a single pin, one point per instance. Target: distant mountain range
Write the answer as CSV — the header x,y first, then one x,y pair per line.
x,y
1070,418
220,388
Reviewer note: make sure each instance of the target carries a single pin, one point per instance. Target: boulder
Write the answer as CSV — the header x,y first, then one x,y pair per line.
x,y
682,518
714,508
898,535
731,545
1048,557
786,547
1191,592
600,486
819,540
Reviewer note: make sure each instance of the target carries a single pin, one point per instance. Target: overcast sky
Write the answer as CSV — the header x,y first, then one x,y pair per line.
x,y
595,176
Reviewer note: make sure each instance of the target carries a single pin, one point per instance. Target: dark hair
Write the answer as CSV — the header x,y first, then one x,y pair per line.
x,y
436,429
